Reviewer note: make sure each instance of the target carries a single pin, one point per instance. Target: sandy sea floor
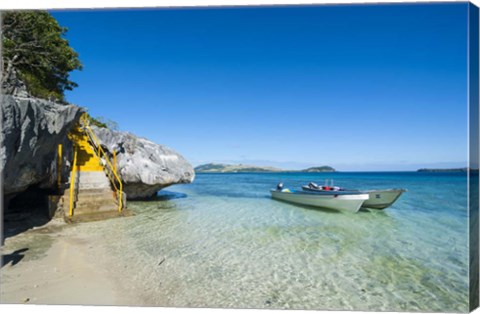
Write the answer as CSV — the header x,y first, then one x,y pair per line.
x,y
223,243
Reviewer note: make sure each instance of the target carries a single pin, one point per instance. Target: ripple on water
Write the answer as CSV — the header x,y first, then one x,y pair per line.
x,y
222,242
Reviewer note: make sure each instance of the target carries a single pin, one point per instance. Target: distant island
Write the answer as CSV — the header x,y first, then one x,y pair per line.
x,y
319,169
443,170
222,168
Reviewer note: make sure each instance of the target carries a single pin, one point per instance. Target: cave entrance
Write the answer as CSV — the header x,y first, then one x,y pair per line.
x,y
25,211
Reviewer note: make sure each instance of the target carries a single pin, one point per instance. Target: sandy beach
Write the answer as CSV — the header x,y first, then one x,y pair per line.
x,y
59,264
67,264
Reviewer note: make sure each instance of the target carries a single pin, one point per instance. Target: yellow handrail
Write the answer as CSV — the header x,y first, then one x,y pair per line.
x,y
72,181
101,153
59,166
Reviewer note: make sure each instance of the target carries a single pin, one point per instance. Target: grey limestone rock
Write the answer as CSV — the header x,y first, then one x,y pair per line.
x,y
144,167
31,130
11,85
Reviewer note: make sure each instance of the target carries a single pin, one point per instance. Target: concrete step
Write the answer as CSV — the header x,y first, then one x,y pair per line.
x,y
87,180
102,191
90,200
92,176
88,209
85,217
91,194
91,185
96,197
95,203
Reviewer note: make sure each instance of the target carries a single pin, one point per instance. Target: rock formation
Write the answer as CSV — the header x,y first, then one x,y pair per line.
x,y
144,167
12,85
31,130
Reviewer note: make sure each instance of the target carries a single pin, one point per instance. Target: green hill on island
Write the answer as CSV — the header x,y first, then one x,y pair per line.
x,y
319,169
443,170
221,168
212,167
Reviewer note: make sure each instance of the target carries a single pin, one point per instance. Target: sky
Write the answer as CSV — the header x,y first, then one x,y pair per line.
x,y
356,87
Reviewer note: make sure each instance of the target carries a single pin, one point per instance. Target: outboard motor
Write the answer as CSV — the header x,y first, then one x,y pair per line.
x,y
280,186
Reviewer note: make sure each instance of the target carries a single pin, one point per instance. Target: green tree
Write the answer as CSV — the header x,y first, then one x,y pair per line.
x,y
101,122
34,48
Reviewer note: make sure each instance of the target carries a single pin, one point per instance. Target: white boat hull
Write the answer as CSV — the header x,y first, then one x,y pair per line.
x,y
349,203
380,199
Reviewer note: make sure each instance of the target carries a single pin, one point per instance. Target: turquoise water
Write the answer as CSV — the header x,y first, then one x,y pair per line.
x,y
223,242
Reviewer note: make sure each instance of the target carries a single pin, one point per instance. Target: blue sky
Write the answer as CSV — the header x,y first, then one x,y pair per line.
x,y
357,87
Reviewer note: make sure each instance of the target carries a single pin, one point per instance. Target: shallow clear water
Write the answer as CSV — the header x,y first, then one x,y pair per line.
x,y
223,242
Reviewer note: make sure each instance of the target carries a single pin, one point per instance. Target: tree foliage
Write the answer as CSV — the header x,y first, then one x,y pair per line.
x,y
101,122
35,48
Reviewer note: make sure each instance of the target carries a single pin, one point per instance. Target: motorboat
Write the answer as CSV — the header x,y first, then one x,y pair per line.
x,y
350,202
378,199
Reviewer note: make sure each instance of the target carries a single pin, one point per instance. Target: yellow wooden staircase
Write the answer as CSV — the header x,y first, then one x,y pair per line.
x,y
95,190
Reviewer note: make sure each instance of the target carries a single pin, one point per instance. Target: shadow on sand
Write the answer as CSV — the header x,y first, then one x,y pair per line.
x,y
14,257
26,211
19,222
